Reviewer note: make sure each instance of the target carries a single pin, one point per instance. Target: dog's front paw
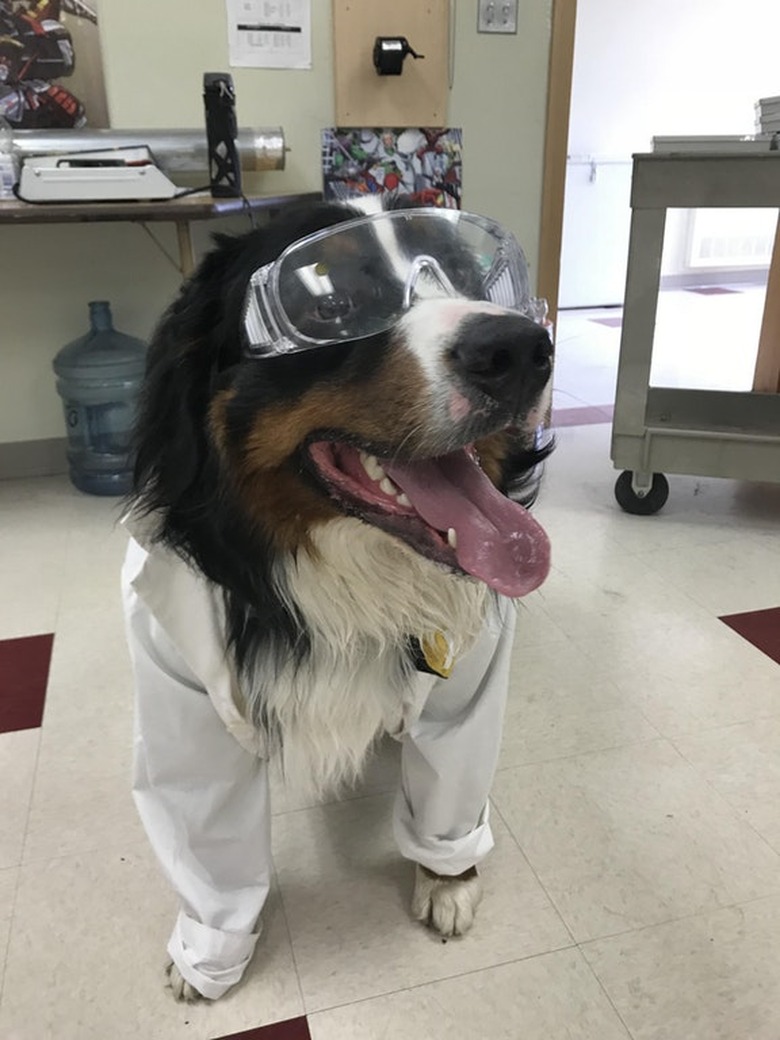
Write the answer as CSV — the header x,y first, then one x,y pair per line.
x,y
447,904
181,989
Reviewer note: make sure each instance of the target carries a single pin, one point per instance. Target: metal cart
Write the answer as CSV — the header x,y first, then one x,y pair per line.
x,y
695,432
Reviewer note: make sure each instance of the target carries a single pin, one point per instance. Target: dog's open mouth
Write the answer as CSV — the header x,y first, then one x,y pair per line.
x,y
446,508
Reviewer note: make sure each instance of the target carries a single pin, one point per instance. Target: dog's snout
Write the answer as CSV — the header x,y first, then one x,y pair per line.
x,y
503,355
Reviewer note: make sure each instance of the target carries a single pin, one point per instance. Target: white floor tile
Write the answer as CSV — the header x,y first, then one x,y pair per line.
x,y
631,837
18,754
25,566
37,518
8,881
81,797
535,627
553,997
81,818
86,958
346,894
535,736
614,597
699,697
724,579
742,763
562,702
711,977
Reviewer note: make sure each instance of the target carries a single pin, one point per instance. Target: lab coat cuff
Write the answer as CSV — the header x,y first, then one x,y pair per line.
x,y
210,959
446,856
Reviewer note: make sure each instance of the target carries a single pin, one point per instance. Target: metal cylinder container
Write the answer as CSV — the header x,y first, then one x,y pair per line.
x,y
176,151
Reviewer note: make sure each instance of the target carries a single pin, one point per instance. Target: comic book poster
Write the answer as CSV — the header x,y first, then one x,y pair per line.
x,y
424,164
51,70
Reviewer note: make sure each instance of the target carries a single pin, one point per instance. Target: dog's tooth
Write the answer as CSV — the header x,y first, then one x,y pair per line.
x,y
389,488
403,500
372,466
452,538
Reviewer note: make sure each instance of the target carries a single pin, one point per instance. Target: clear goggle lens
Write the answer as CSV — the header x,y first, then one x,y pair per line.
x,y
357,279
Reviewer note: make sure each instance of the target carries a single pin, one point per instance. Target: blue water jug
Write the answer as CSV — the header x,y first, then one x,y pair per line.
x,y
99,378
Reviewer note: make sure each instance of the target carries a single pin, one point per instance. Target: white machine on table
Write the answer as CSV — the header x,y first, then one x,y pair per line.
x,y
101,175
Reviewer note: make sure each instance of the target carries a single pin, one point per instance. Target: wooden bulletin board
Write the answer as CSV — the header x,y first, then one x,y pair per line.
x,y
418,97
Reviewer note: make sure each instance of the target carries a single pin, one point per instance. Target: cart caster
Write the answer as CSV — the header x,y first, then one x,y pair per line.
x,y
641,503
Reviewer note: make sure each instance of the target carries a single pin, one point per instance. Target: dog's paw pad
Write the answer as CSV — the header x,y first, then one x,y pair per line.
x,y
447,904
182,990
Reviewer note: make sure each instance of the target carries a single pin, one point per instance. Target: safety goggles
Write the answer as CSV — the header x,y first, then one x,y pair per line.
x,y
358,278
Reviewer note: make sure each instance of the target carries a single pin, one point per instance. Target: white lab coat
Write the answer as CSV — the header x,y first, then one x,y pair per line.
x,y
201,779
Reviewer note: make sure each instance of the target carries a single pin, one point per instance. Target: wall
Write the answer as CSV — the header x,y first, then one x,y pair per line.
x,y
155,55
645,69
664,67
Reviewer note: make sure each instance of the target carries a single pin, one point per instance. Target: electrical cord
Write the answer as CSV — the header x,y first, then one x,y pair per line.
x,y
247,205
249,211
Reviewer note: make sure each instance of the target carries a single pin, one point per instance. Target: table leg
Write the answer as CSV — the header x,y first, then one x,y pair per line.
x,y
186,255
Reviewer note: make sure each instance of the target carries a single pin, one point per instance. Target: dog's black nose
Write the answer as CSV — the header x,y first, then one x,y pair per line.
x,y
506,356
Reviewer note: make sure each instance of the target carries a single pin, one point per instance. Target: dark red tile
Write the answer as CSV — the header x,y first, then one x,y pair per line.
x,y
712,290
585,416
761,628
24,672
611,323
292,1029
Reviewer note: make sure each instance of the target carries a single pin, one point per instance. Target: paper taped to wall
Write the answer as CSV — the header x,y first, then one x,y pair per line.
x,y
269,35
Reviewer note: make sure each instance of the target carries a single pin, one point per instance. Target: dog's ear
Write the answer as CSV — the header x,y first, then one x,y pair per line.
x,y
185,355
513,461
200,336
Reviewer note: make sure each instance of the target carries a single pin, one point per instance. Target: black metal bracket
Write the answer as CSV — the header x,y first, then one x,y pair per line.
x,y
219,99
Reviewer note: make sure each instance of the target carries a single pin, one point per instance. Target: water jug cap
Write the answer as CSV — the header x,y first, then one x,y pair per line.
x,y
100,314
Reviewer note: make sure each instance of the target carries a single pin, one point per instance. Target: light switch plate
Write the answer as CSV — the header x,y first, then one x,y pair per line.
x,y
497,16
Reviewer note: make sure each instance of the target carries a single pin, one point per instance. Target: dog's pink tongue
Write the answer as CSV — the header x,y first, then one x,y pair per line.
x,y
498,541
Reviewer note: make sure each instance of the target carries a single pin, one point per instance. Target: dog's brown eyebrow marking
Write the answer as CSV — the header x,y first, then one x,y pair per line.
x,y
391,407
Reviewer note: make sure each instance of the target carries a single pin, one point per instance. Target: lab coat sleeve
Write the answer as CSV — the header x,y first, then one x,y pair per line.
x,y
449,756
203,800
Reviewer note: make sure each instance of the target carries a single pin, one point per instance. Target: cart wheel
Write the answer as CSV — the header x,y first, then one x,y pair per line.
x,y
641,505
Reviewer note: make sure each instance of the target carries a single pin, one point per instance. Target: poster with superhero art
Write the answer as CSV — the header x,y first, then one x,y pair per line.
x,y
424,164
51,71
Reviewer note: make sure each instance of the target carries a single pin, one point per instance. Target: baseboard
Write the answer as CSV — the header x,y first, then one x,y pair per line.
x,y
44,458
695,279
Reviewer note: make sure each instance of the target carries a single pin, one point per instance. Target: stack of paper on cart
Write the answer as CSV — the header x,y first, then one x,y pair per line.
x,y
768,115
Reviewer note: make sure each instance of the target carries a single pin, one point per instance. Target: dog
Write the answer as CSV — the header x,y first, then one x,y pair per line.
x,y
336,445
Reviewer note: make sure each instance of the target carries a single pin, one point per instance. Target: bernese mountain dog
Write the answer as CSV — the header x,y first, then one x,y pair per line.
x,y
337,442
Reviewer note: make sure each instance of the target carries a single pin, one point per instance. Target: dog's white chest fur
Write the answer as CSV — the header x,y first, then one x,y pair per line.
x,y
361,598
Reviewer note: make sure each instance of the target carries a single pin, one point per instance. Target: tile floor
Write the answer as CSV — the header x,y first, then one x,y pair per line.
x,y
634,891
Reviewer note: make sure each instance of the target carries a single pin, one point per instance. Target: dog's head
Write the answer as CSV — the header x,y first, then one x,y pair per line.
x,y
365,373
